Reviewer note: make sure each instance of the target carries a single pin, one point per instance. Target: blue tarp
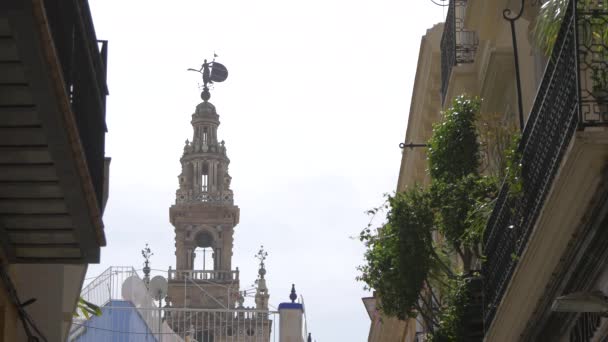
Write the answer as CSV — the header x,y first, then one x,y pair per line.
x,y
116,324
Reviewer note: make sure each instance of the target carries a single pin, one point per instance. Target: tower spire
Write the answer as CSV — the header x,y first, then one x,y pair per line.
x,y
204,176
261,295
204,215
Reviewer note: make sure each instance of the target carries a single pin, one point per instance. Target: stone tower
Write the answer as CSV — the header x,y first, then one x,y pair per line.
x,y
204,217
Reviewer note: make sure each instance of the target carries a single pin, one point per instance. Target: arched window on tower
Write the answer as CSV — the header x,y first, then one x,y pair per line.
x,y
205,177
205,136
205,256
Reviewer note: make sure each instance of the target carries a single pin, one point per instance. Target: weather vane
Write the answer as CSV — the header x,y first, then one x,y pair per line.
x,y
211,72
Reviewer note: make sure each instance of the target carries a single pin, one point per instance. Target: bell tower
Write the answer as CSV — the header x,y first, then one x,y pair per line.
x,y
204,215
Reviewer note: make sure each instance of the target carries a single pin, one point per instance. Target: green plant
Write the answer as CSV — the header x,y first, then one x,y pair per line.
x,y
451,327
453,150
460,193
600,79
462,207
513,175
86,309
495,131
400,253
548,23
412,273
592,33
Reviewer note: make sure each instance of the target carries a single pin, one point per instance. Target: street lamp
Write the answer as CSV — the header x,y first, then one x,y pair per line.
x,y
582,302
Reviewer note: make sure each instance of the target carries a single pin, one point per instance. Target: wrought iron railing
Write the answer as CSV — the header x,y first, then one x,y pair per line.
x,y
129,313
108,285
563,104
83,61
121,321
458,46
205,275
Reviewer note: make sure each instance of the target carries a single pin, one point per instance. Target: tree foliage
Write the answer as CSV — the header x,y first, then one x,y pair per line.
x,y
549,20
400,253
460,193
403,263
451,319
454,146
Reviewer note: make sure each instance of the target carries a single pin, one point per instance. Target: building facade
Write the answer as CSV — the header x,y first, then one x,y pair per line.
x,y
53,169
550,243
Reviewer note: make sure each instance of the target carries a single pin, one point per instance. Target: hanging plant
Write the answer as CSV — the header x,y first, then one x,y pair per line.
x,y
593,34
452,325
454,146
461,196
400,253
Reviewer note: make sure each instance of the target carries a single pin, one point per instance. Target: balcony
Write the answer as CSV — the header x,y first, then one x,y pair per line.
x,y
458,46
567,102
52,132
203,275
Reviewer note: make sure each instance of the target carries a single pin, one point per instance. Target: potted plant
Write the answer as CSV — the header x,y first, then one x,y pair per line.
x,y
599,76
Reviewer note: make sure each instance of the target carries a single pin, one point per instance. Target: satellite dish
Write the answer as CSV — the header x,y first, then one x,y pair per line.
x,y
158,287
219,73
134,290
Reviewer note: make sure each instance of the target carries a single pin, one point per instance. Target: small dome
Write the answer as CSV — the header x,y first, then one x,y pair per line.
x,y
205,109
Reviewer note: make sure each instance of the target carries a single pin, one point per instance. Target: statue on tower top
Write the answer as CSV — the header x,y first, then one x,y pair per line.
x,y
211,72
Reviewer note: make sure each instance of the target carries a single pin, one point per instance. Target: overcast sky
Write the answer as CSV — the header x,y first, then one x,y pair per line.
x,y
314,107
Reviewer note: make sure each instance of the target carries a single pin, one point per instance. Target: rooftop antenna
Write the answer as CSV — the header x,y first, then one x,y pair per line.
x,y
211,72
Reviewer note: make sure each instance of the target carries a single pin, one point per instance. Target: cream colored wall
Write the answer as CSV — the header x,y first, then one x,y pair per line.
x,y
492,75
385,328
424,111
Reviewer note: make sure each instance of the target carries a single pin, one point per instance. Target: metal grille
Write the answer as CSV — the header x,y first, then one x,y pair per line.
x,y
592,27
557,112
108,285
458,46
126,323
140,319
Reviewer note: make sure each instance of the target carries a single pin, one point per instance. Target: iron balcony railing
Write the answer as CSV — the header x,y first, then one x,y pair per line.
x,y
569,98
458,46
203,275
83,61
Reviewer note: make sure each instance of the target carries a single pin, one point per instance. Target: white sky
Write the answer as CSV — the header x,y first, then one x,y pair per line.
x,y
312,113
